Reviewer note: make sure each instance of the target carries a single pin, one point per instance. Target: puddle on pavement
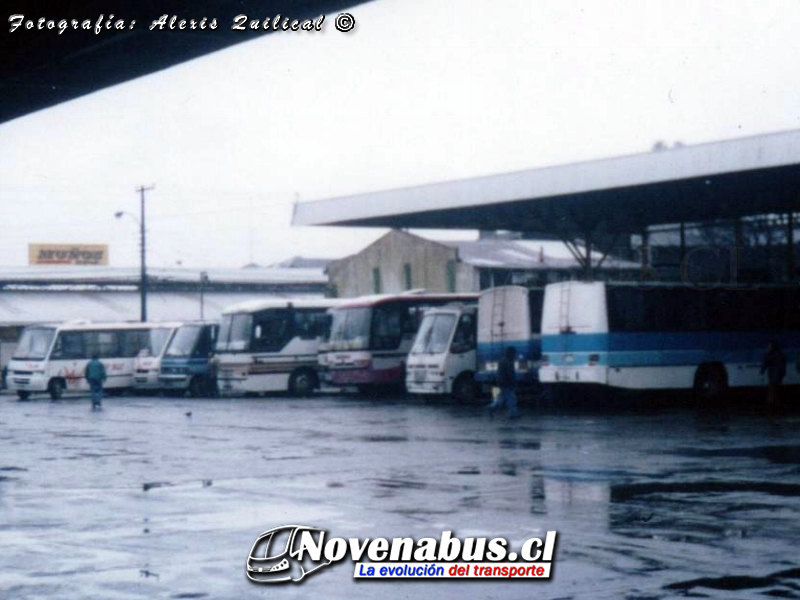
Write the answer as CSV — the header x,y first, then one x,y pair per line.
x,y
469,471
516,445
783,579
782,455
383,438
459,441
625,492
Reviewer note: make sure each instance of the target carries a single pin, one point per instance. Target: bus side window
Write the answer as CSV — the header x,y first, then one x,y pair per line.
x,y
412,320
203,347
310,325
388,325
57,348
272,331
103,343
70,345
131,342
464,337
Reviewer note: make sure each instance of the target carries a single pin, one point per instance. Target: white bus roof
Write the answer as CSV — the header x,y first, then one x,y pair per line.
x,y
258,305
453,308
373,299
96,326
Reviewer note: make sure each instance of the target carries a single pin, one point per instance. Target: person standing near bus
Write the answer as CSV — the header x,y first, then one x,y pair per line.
x,y
774,365
507,382
96,376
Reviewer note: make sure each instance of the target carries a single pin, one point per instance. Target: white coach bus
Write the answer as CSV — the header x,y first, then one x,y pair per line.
x,y
271,346
52,358
666,337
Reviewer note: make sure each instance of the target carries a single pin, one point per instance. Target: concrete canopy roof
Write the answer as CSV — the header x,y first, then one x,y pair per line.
x,y
740,177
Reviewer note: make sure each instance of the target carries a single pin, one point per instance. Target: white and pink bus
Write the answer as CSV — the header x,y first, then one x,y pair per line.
x,y
52,358
371,337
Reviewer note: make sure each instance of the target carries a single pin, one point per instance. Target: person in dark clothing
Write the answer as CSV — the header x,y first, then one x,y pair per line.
x,y
96,376
507,382
774,365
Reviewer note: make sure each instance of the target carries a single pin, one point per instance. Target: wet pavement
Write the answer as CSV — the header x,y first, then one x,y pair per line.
x,y
163,497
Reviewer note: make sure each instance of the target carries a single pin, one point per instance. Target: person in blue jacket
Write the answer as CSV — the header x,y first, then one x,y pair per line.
x,y
96,376
774,365
507,382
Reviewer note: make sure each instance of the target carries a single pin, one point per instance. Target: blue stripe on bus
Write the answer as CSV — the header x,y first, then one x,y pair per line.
x,y
527,349
494,351
665,349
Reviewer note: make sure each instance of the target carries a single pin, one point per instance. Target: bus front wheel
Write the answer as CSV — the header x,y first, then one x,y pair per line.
x,y
464,388
302,383
710,383
56,389
199,387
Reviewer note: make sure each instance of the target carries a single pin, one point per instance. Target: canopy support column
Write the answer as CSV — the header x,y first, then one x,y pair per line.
x,y
790,246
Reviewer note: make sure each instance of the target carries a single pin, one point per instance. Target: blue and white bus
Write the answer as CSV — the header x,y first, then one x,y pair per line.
x,y
662,337
186,366
509,316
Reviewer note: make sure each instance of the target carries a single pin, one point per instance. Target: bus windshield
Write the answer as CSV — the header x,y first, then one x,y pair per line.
x,y
158,339
34,343
434,334
234,332
350,329
184,342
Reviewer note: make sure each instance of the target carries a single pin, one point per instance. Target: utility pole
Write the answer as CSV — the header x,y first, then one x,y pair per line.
x,y
143,276
203,282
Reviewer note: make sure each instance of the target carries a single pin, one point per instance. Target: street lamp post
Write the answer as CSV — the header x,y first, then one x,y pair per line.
x,y
143,249
143,272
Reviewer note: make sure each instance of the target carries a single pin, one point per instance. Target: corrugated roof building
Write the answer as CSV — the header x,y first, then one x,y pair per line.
x,y
401,261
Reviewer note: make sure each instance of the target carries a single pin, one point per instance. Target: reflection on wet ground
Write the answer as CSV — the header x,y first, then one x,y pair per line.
x,y
163,497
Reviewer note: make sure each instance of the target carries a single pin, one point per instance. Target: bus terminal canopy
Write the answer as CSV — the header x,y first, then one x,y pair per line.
x,y
589,200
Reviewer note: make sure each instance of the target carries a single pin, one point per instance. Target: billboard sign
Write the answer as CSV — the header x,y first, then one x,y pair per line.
x,y
68,254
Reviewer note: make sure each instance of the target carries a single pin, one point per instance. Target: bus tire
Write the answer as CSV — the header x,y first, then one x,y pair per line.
x,y
464,388
302,383
710,383
23,395
56,388
199,387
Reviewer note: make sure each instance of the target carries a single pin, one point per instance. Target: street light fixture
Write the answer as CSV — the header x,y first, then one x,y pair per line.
x,y
143,244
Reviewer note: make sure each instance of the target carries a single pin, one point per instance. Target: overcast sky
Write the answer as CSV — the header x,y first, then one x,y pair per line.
x,y
418,92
